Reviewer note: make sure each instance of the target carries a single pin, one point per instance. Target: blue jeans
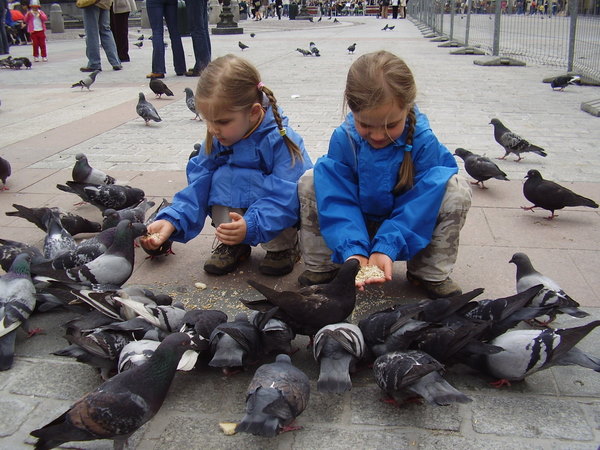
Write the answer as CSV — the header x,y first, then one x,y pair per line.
x,y
197,12
96,22
157,9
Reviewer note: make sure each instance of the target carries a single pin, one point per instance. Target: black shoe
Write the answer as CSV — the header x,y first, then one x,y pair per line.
x,y
119,67
225,258
309,278
193,73
279,263
89,69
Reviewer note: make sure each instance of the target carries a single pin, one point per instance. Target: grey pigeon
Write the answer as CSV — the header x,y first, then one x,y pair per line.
x,y
550,296
277,394
529,351
512,142
352,48
191,102
166,247
159,88
392,27
138,44
252,35
9,250
57,240
313,49
84,173
276,336
17,301
136,353
105,196
166,317
337,348
200,323
135,214
551,196
303,51
5,172
113,268
561,82
86,82
480,167
309,309
242,46
385,27
146,110
418,373
73,223
121,405
234,344
194,153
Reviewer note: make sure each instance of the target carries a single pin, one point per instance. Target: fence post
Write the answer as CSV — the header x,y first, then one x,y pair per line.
x,y
442,8
496,44
468,26
57,21
573,10
452,7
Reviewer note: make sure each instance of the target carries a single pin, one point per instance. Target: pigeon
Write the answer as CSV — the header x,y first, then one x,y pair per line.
x,y
418,373
513,143
191,102
200,323
352,48
135,214
26,61
320,18
196,151
5,172
84,173
104,196
140,38
166,247
234,344
303,51
159,88
242,46
551,196
57,240
277,394
136,353
146,110
309,309
385,27
168,318
252,35
86,82
313,49
337,348
121,405
480,167
561,82
335,20
438,309
73,223
392,27
139,44
17,301
112,268
550,296
81,35
529,351
9,250
276,336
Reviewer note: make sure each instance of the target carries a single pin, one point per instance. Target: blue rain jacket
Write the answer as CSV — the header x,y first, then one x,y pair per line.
x,y
255,173
354,183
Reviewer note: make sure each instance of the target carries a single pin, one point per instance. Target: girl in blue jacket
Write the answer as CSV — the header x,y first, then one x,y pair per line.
x,y
387,190
244,176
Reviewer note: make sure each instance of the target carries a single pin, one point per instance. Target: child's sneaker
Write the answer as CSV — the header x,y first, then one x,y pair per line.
x,y
36,59
45,59
279,263
225,258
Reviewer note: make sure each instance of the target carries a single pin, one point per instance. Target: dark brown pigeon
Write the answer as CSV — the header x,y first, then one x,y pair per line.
x,y
5,172
159,88
121,405
73,223
480,167
549,195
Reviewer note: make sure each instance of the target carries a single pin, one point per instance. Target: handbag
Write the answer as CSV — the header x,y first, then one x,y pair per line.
x,y
85,3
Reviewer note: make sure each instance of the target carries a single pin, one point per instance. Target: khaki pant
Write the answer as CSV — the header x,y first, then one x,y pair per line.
x,y
285,240
434,263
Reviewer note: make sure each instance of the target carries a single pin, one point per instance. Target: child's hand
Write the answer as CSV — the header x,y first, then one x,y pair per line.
x,y
234,232
363,260
158,232
384,262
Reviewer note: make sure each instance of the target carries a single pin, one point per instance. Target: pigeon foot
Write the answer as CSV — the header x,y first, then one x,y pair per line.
x,y
502,382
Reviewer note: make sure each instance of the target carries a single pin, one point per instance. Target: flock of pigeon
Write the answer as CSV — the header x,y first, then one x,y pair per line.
x,y
542,193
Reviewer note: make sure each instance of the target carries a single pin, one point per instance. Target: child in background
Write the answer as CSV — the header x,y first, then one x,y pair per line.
x,y
387,190
36,27
244,177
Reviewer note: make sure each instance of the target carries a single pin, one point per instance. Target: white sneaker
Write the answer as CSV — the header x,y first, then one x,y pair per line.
x,y
45,59
36,59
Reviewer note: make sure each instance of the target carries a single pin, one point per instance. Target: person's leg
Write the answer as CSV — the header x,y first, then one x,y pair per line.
x,y
35,44
225,258
42,44
435,262
176,44
107,39
119,24
155,11
197,11
91,17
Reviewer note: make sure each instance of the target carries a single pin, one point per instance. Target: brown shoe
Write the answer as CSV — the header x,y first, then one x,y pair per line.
x,y
436,289
308,277
225,258
155,75
279,263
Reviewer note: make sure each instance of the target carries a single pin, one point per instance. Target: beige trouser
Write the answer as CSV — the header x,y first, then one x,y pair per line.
x,y
434,263
285,240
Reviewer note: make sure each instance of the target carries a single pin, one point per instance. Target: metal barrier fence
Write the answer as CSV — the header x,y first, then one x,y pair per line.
x,y
558,33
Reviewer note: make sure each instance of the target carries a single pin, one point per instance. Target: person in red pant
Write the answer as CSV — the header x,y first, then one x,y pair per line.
x,y
36,27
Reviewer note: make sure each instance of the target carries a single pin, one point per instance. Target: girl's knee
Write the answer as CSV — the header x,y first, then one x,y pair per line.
x,y
457,196
306,185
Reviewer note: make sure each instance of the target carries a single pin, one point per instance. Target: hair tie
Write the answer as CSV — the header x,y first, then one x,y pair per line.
x,y
282,132
408,148
260,85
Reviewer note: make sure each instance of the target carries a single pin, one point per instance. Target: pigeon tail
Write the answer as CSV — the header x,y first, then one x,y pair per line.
x,y
573,311
258,420
437,391
259,425
576,357
537,150
7,350
334,376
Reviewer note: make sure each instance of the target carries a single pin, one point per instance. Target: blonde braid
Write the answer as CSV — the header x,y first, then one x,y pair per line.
x,y
406,173
293,148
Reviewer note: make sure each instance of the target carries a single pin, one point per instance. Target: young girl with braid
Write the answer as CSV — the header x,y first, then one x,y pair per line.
x,y
387,190
244,176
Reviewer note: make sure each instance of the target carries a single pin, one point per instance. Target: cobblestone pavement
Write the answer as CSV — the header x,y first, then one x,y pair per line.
x,y
44,123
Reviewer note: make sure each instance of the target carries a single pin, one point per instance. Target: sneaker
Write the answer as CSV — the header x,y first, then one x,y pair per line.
x,y
155,75
308,277
436,289
89,69
36,59
45,59
279,263
225,258
193,73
